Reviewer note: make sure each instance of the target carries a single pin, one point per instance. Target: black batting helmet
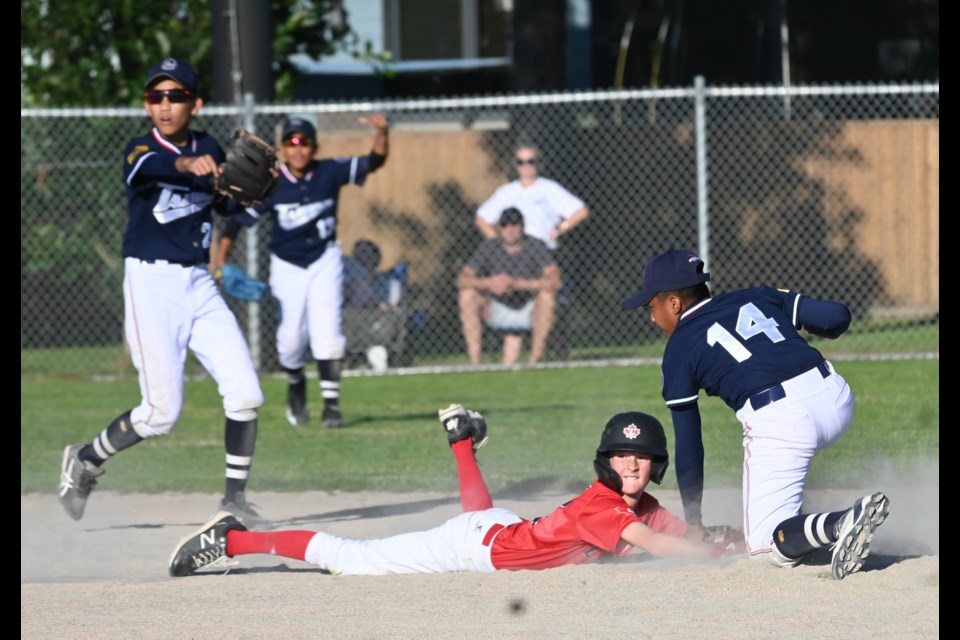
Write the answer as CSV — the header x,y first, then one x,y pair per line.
x,y
631,431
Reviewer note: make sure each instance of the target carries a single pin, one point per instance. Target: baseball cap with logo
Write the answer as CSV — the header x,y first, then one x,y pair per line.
x,y
671,271
301,126
177,70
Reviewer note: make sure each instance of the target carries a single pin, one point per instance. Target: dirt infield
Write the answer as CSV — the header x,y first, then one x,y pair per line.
x,y
106,578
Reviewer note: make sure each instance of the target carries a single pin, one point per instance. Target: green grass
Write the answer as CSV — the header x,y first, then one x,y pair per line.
x,y
865,337
544,428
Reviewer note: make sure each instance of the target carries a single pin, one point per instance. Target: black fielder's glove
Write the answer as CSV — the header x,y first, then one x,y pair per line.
x,y
249,173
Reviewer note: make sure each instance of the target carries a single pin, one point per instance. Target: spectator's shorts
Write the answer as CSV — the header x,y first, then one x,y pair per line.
x,y
511,319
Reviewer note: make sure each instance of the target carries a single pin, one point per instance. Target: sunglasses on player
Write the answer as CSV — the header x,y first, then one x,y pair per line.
x,y
175,96
521,161
297,140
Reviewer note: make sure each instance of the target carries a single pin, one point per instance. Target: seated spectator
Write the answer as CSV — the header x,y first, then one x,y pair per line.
x,y
510,283
372,319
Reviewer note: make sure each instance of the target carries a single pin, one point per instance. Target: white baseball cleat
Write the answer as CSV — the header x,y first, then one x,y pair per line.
x,y
855,530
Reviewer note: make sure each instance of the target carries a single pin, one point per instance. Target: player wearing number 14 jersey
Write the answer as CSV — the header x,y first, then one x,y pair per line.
x,y
745,347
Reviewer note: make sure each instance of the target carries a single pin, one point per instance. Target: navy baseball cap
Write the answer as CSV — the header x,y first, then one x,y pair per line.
x,y
301,126
671,271
177,70
511,216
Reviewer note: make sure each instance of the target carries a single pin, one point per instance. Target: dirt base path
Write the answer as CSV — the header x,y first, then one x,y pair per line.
x,y
105,577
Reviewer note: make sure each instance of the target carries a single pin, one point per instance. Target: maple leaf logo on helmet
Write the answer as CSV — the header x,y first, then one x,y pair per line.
x,y
631,431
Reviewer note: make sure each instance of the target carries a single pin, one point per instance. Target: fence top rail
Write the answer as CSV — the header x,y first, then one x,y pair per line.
x,y
480,102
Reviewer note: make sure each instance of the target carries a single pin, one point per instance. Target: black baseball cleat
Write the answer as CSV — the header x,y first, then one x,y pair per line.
x,y
205,547
332,417
297,414
459,424
244,511
77,479
854,532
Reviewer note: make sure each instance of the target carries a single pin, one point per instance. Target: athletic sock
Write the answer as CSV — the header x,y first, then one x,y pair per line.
x,y
797,536
289,544
240,439
118,435
474,495
329,371
294,376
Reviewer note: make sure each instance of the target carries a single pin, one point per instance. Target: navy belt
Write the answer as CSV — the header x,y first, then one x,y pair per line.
x,y
762,399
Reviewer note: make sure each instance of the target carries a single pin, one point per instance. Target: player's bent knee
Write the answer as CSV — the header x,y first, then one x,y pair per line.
x,y
243,407
155,427
150,421
241,415
774,557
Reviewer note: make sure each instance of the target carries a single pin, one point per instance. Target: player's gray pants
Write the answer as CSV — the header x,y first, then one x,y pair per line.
x,y
779,442
456,545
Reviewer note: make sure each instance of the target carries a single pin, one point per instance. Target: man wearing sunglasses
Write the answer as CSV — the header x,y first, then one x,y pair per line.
x,y
306,263
171,302
549,210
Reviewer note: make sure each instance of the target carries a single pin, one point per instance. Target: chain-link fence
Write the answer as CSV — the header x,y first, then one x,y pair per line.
x,y
832,191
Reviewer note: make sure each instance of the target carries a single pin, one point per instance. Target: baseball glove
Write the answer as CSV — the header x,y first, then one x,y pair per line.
x,y
237,284
249,173
727,540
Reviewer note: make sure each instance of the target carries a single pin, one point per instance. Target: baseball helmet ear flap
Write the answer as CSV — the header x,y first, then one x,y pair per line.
x,y
631,431
605,473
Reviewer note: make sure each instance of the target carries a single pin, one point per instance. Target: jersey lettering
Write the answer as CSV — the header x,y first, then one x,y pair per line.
x,y
175,203
326,227
750,322
293,216
207,230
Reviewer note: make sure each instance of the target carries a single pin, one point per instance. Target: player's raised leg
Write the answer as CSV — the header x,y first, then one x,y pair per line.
x,y
80,466
466,432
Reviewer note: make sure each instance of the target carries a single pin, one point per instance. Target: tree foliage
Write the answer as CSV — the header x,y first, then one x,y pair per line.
x,y
97,52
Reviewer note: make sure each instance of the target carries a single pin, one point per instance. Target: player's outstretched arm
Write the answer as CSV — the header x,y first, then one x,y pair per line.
x,y
661,544
688,443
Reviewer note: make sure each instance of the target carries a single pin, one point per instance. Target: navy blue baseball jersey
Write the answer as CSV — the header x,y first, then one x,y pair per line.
x,y
306,210
170,213
735,345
